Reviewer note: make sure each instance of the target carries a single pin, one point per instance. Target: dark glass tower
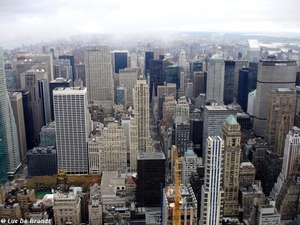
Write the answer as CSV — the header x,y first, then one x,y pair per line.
x,y
229,82
173,75
148,57
157,75
120,60
150,176
196,135
242,97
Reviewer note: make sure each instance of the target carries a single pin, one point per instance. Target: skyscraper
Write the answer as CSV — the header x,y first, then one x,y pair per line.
x,y
72,63
272,74
99,76
127,79
72,129
199,84
9,128
17,107
214,117
232,157
280,118
229,82
215,79
3,166
141,108
120,60
148,57
157,75
212,191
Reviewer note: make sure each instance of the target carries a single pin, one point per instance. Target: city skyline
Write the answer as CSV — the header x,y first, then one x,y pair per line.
x,y
64,19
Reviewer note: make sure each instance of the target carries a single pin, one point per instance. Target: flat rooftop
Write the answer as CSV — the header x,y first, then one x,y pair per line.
x,y
150,155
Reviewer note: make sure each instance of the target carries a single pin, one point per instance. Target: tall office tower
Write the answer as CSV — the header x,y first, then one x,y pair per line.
x,y
247,83
158,53
47,135
212,196
134,144
182,137
196,135
169,107
151,169
232,157
58,82
214,117
62,68
173,75
182,58
215,79
127,79
272,74
133,63
280,117
197,66
28,118
26,61
9,128
72,130
31,85
238,66
11,79
253,50
290,160
167,88
80,69
189,91
199,85
120,60
72,63
157,75
189,165
43,87
17,108
229,82
107,152
3,165
148,57
141,108
99,76
182,110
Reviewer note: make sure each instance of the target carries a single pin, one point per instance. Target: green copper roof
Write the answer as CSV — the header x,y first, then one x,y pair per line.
x,y
231,120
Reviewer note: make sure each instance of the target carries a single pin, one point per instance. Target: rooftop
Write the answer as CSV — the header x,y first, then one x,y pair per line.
x,y
284,90
150,155
231,119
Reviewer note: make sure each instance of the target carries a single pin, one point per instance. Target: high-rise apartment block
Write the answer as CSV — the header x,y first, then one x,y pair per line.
x,y
272,74
72,129
99,76
280,117
212,198
232,157
107,152
215,79
9,127
141,109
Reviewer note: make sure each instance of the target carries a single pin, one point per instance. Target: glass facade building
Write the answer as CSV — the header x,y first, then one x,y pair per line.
x,y
3,171
120,59
41,161
173,75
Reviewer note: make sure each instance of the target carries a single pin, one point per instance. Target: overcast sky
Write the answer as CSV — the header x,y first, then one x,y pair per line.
x,y
45,20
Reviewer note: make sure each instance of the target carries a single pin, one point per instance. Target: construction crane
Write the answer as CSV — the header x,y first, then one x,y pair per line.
x,y
177,195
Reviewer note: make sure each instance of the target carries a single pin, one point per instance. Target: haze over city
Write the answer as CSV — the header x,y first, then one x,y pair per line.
x,y
33,21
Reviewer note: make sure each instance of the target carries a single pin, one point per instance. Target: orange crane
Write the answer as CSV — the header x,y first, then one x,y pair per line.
x,y
177,195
